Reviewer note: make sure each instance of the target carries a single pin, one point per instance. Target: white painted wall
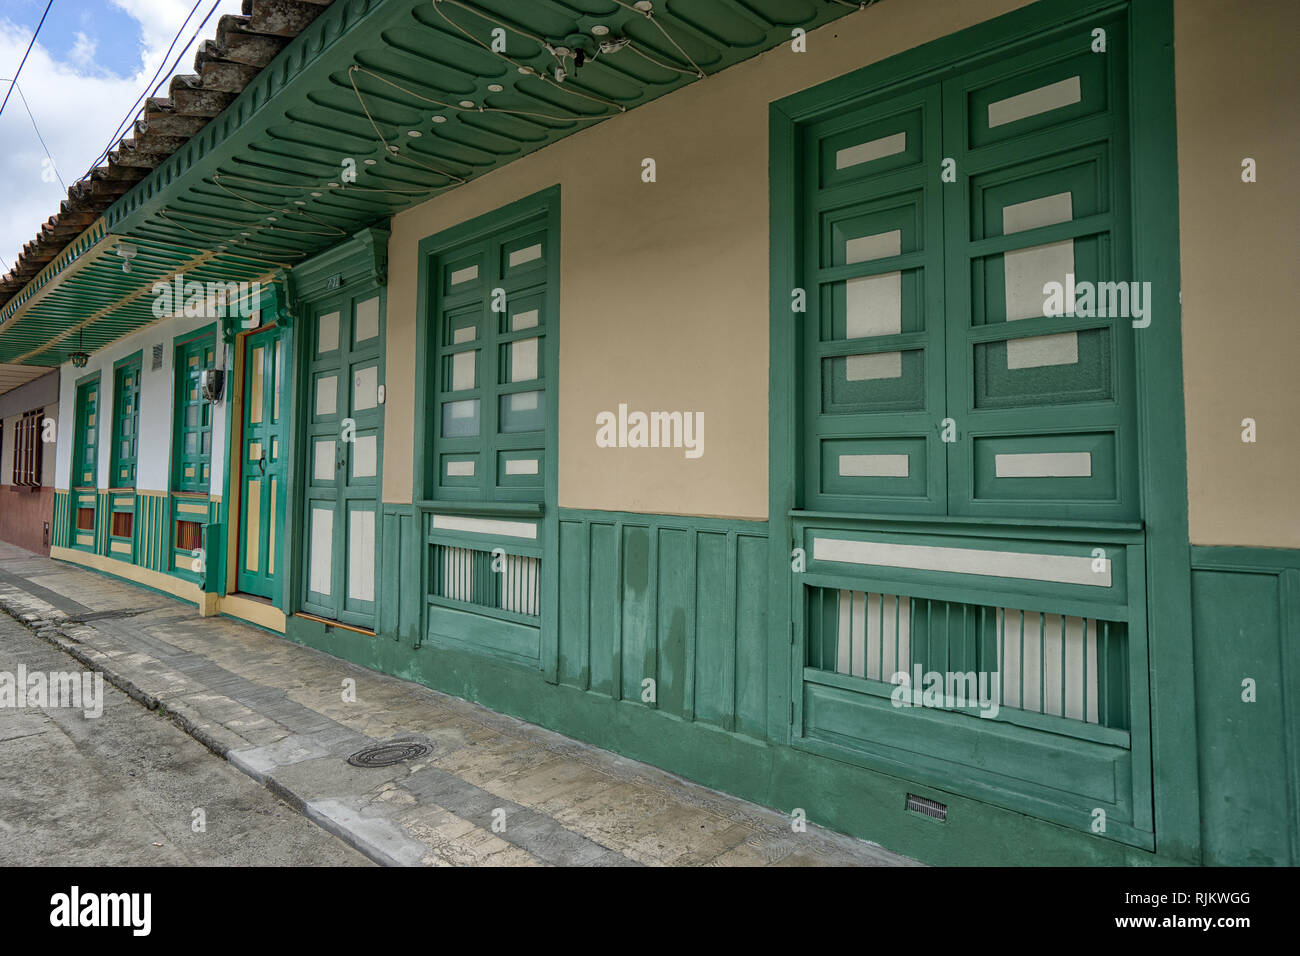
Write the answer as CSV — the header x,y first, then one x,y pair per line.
x,y
42,393
156,407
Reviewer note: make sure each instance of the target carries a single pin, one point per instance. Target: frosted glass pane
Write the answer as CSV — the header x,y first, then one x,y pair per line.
x,y
365,385
327,395
323,464
523,360
321,563
462,370
1027,271
327,333
361,556
364,457
367,324
866,152
1032,102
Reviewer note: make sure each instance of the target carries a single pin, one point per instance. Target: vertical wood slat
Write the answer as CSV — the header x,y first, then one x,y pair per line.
x,y
692,605
729,629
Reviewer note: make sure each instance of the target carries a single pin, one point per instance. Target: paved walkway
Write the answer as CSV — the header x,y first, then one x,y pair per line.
x,y
129,788
493,790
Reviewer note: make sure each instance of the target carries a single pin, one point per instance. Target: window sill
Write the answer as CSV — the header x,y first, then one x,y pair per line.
x,y
515,509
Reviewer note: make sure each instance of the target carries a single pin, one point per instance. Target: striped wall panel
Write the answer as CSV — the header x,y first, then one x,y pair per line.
x,y
681,602
61,536
151,530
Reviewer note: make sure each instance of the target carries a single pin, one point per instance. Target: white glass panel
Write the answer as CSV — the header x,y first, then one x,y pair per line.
x,y
323,466
523,360
255,398
862,368
866,152
1032,102
322,550
253,526
521,466
524,320
462,370
873,305
467,274
364,457
460,469
327,333
878,246
365,392
361,556
367,323
1027,271
327,397
1070,464
874,466
468,334
526,254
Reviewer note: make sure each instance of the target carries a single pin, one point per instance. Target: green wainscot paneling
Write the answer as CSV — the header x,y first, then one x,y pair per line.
x,y
669,613
1246,621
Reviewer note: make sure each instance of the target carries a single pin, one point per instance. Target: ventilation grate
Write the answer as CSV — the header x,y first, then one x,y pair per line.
x,y
156,364
927,807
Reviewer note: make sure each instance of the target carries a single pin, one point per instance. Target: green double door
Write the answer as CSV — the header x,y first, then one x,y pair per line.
x,y
342,421
264,446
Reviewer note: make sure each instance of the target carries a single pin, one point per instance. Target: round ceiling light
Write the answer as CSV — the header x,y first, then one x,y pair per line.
x,y
600,30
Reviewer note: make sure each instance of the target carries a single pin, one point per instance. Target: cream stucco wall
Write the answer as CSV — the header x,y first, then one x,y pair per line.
x,y
663,289
664,286
1238,93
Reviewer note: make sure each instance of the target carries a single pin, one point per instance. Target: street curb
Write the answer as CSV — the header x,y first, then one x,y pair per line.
x,y
52,633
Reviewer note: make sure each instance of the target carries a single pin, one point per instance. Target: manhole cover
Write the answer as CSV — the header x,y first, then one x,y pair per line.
x,y
385,755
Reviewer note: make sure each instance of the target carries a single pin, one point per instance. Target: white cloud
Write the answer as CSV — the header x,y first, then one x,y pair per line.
x,y
83,51
78,105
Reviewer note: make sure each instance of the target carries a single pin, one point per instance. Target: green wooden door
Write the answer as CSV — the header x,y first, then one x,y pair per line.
x,y
262,466
343,423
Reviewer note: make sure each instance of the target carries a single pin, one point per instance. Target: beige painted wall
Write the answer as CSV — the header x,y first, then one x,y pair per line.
x,y
645,317
646,321
1237,97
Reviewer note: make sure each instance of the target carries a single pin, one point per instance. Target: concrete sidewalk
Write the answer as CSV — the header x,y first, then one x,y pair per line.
x,y
492,790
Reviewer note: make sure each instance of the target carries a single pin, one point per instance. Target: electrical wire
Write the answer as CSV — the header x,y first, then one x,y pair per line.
x,y
53,164
30,44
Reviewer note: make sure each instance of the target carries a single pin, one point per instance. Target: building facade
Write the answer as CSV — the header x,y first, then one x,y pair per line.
x,y
679,409
29,415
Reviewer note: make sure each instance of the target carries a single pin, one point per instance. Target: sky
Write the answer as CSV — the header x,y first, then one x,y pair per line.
x,y
93,58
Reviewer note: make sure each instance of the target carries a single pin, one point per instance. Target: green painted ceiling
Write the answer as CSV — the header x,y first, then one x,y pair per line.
x,y
413,94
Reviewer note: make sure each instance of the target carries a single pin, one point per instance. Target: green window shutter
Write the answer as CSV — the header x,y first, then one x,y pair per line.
x,y
193,421
126,424
926,297
874,334
85,462
489,381
1043,403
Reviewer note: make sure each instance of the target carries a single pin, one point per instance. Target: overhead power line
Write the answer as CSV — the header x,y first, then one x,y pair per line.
x,y
24,59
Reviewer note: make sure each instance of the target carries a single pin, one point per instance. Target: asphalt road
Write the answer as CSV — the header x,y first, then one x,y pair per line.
x,y
122,789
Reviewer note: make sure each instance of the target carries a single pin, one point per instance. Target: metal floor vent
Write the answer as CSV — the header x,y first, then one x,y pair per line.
x,y
931,808
385,755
